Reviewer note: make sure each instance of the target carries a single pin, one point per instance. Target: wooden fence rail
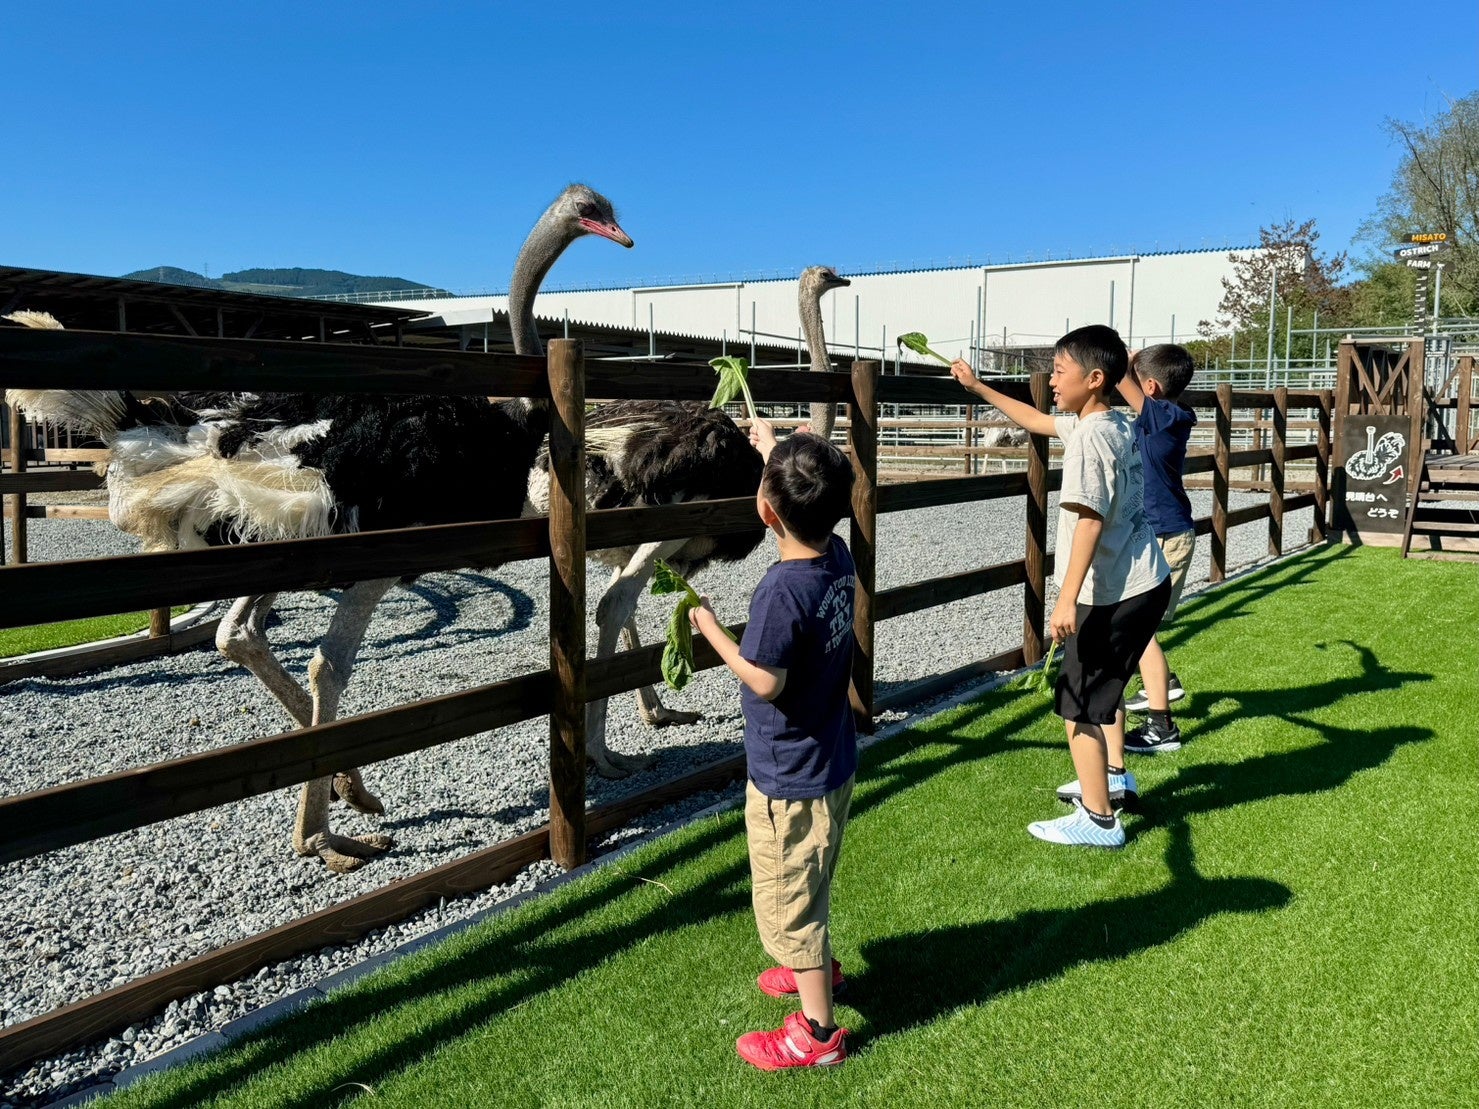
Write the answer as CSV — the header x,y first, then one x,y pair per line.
x,y
78,812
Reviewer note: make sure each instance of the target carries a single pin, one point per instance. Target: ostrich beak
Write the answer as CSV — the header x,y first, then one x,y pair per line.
x,y
607,231
840,282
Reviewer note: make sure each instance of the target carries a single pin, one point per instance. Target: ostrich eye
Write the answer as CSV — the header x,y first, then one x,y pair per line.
x,y
588,211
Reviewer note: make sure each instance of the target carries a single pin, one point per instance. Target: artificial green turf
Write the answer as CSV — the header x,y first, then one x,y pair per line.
x,y
1293,921
69,633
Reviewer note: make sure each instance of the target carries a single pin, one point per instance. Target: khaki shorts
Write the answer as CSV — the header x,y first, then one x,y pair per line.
x,y
1177,549
793,853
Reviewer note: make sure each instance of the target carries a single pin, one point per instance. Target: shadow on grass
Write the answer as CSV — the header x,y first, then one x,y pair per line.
x,y
554,943
916,978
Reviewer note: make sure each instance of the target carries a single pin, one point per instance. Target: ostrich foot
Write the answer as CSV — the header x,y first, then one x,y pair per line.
x,y
662,716
349,787
613,764
342,854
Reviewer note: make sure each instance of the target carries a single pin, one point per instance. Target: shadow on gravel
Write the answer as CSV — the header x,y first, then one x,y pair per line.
x,y
552,941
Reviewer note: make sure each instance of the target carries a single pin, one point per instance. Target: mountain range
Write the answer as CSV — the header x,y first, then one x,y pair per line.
x,y
295,282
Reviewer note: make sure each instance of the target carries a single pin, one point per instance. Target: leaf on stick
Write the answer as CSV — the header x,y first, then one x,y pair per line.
x,y
677,653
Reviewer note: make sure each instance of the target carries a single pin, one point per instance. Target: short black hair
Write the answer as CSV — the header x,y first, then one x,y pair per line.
x,y
1170,364
1097,347
808,482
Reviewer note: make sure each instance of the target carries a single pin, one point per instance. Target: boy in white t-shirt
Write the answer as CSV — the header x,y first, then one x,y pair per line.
x,y
1113,580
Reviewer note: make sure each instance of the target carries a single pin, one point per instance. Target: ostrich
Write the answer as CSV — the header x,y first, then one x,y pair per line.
x,y
291,465
659,452
815,281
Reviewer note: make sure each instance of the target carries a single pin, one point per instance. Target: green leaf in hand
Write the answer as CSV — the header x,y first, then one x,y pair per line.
x,y
677,654
1041,679
916,341
734,379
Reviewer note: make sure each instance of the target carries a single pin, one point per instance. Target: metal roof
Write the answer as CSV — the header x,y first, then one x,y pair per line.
x,y
89,302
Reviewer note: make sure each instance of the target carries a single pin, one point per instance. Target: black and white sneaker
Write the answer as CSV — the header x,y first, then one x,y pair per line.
x,y
1152,739
1141,703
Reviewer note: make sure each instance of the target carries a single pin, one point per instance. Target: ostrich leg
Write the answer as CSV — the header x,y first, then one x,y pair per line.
x,y
242,638
649,707
328,674
617,607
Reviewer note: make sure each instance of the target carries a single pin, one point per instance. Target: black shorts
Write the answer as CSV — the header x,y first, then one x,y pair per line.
x,y
1099,659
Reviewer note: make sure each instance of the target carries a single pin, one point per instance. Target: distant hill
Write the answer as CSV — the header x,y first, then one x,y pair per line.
x,y
294,282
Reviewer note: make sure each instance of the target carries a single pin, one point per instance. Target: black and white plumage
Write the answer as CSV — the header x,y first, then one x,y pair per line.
x,y
661,452
243,467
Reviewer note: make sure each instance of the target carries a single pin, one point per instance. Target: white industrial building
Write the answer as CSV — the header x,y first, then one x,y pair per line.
x,y
1149,298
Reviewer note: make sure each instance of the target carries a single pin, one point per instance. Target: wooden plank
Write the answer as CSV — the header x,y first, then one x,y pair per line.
x,y
934,492
915,597
17,500
90,456
1276,472
50,591
862,437
938,389
915,692
131,650
567,736
1321,529
174,363
61,481
1223,456
1034,573
77,812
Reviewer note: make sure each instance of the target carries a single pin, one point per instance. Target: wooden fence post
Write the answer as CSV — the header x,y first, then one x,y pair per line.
x,y
1321,530
567,602
1462,434
1276,472
18,500
1220,478
862,435
1035,588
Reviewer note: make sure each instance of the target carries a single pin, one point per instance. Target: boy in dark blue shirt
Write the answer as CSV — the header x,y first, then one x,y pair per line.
x,y
1156,378
794,663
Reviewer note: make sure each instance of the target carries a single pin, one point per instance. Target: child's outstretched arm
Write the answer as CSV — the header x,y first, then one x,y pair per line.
x,y
1130,387
762,437
765,682
1020,413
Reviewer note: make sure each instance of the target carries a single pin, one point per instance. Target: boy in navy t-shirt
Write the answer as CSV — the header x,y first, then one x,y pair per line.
x,y
794,662
1156,378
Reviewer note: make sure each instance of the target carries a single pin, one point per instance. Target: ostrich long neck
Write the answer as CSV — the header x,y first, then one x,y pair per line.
x,y
541,250
822,412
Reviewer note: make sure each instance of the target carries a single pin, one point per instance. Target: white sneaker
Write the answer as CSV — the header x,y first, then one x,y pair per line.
x,y
1141,703
1122,790
1078,830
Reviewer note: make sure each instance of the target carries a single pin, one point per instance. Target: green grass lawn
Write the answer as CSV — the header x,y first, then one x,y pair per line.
x,y
69,633
1292,923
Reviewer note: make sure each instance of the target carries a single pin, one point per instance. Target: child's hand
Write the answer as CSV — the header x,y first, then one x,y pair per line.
x,y
962,372
804,429
697,617
1064,620
762,436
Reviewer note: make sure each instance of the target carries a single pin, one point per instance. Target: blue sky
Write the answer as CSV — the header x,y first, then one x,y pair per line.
x,y
422,140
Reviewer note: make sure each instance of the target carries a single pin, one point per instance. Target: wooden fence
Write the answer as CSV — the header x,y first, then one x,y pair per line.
x,y
77,812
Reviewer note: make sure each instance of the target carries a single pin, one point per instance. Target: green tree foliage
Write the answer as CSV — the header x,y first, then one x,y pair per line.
x,y
296,281
1302,280
1436,188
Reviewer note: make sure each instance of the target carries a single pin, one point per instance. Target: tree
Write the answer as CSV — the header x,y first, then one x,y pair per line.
x,y
1436,188
1302,280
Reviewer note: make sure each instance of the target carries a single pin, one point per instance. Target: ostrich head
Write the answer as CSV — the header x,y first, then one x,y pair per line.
x,y
816,280
577,211
583,211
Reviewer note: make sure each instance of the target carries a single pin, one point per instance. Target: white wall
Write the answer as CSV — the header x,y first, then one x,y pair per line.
x,y
1032,300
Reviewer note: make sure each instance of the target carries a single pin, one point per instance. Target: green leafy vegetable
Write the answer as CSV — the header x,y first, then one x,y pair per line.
x,y
916,342
734,379
677,655
1040,679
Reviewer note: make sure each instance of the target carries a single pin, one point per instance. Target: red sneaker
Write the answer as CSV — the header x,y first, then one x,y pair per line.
x,y
792,1045
781,981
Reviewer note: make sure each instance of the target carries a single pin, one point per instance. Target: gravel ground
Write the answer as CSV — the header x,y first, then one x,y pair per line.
x,y
78,921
